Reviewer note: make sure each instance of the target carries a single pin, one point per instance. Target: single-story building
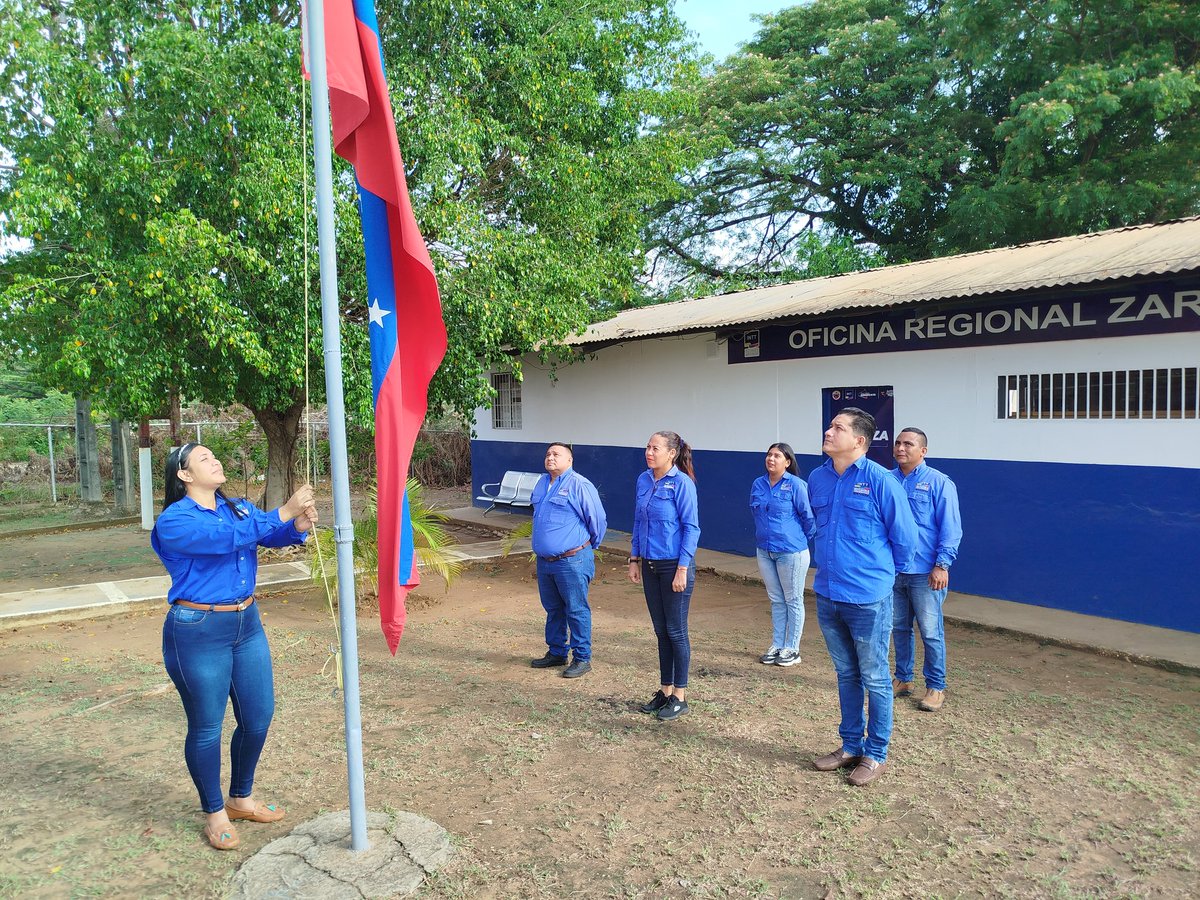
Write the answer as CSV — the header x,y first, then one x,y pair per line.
x,y
1057,381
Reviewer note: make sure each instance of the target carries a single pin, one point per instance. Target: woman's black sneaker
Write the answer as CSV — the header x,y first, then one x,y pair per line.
x,y
673,709
657,702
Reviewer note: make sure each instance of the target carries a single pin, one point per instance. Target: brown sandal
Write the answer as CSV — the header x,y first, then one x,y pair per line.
x,y
262,812
223,837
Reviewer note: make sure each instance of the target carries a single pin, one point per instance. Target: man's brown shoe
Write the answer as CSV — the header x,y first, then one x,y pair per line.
x,y
901,688
932,701
866,771
838,759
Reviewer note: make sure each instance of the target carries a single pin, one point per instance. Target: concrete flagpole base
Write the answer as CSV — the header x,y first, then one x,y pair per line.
x,y
315,860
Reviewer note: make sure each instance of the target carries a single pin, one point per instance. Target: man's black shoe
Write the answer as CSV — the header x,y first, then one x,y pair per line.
x,y
549,661
577,668
673,710
657,702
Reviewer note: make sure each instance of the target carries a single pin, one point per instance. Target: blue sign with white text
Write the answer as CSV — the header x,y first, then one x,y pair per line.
x,y
1151,308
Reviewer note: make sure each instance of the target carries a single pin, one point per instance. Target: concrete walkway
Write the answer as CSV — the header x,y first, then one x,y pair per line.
x,y
1164,647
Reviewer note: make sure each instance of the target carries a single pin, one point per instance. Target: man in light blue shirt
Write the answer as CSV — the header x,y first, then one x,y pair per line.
x,y
921,587
568,523
865,535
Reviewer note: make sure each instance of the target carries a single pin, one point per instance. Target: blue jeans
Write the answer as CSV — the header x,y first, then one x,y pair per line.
x,y
857,637
215,657
669,613
783,574
914,600
563,587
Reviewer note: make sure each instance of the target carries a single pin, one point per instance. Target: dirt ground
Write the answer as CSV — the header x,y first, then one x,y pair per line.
x,y
1050,773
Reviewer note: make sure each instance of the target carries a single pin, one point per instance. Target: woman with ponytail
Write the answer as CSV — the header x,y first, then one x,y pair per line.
x,y
666,531
214,646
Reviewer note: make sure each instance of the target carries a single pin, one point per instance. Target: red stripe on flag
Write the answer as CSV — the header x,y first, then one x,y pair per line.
x,y
365,135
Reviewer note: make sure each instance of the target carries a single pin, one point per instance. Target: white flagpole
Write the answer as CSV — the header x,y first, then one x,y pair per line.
x,y
343,528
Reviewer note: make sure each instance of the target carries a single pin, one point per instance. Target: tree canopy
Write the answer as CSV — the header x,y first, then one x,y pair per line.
x,y
158,168
157,164
539,135
928,127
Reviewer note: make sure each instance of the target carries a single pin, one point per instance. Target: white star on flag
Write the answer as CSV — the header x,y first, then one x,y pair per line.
x,y
377,313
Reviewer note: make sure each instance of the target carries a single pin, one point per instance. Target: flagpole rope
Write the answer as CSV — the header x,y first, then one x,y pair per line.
x,y
335,650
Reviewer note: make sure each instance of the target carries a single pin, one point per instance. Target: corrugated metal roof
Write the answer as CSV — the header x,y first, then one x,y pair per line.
x,y
1162,249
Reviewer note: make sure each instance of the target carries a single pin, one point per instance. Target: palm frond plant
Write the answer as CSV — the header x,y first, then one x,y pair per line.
x,y
431,539
521,532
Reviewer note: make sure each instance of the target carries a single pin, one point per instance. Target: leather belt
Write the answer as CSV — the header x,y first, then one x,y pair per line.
x,y
217,607
564,555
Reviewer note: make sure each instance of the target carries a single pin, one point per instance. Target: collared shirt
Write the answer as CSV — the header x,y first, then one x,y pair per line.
x,y
566,514
211,554
934,501
783,518
666,519
865,531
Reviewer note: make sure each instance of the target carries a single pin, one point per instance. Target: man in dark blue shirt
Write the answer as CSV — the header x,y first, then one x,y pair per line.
x,y
865,535
568,524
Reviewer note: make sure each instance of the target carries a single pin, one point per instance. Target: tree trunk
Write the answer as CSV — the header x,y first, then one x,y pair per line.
x,y
281,429
175,418
123,494
86,453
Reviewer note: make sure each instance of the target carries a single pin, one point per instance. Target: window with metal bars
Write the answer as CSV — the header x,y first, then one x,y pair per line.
x,y
506,408
1120,394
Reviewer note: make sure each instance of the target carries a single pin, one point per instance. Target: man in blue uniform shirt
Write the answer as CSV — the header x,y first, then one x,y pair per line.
x,y
921,586
865,535
568,523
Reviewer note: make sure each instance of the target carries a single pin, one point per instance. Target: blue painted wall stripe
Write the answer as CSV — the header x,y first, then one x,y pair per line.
x,y
1083,538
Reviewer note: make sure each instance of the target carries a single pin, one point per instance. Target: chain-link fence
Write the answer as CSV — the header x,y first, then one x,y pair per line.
x,y
39,466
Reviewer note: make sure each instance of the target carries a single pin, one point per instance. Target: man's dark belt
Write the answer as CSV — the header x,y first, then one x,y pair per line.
x,y
564,555
217,607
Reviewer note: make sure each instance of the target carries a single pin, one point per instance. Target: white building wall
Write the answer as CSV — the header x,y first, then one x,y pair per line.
x,y
621,394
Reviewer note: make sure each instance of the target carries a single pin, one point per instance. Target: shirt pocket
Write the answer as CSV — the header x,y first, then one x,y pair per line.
x,y
662,505
821,507
558,510
922,507
862,521
641,498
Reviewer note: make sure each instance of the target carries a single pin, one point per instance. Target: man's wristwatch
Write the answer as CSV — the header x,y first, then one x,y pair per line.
x,y
634,559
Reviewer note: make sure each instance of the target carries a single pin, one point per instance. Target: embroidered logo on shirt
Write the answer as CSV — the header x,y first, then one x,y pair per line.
x,y
923,485
863,487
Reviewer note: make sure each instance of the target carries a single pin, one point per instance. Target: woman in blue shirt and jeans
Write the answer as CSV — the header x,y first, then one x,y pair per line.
x,y
214,646
783,523
666,530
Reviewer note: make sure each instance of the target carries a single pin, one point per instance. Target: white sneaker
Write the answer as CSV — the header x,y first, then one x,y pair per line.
x,y
787,658
768,658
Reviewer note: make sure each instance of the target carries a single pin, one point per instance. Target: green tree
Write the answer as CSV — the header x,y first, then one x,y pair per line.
x,y
1084,113
539,136
926,127
156,181
157,178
